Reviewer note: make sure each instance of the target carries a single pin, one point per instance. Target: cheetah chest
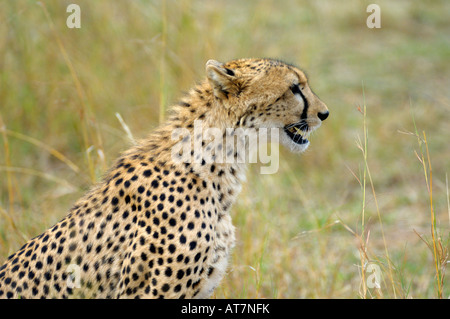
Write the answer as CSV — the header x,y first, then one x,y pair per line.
x,y
220,252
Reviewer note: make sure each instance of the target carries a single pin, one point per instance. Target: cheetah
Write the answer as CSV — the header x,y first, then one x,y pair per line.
x,y
159,227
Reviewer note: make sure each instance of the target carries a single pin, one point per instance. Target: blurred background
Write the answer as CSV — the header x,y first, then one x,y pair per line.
x,y
372,189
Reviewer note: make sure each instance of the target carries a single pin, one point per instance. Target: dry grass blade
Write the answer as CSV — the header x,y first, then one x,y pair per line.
x,y
9,176
440,254
45,147
126,129
162,70
84,110
436,252
363,147
353,173
30,171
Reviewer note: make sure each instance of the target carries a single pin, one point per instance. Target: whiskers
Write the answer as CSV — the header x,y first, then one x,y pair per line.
x,y
302,125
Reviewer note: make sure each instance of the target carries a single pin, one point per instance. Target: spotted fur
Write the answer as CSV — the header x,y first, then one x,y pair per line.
x,y
158,228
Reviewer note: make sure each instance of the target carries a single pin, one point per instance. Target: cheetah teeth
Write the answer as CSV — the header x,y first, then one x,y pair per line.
x,y
296,130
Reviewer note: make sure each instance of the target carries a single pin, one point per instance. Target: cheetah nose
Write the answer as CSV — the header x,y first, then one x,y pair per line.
x,y
323,115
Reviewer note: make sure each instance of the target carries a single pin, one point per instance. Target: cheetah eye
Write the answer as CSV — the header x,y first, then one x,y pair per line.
x,y
230,72
295,88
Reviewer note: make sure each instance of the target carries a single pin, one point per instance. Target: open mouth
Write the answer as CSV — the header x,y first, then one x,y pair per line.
x,y
297,132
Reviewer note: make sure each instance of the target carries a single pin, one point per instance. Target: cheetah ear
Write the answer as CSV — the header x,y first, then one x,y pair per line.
x,y
221,78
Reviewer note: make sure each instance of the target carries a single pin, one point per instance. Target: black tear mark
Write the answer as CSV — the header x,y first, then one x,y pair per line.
x,y
296,90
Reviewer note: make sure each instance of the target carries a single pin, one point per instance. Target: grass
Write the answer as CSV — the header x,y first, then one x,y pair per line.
x,y
371,191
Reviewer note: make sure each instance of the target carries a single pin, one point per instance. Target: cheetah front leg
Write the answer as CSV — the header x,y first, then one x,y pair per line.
x,y
155,270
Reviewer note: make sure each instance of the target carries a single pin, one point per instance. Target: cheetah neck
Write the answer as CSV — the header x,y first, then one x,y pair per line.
x,y
201,137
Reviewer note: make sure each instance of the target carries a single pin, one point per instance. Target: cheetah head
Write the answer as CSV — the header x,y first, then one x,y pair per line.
x,y
265,93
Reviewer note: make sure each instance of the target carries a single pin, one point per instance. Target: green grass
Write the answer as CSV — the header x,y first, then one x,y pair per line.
x,y
372,188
